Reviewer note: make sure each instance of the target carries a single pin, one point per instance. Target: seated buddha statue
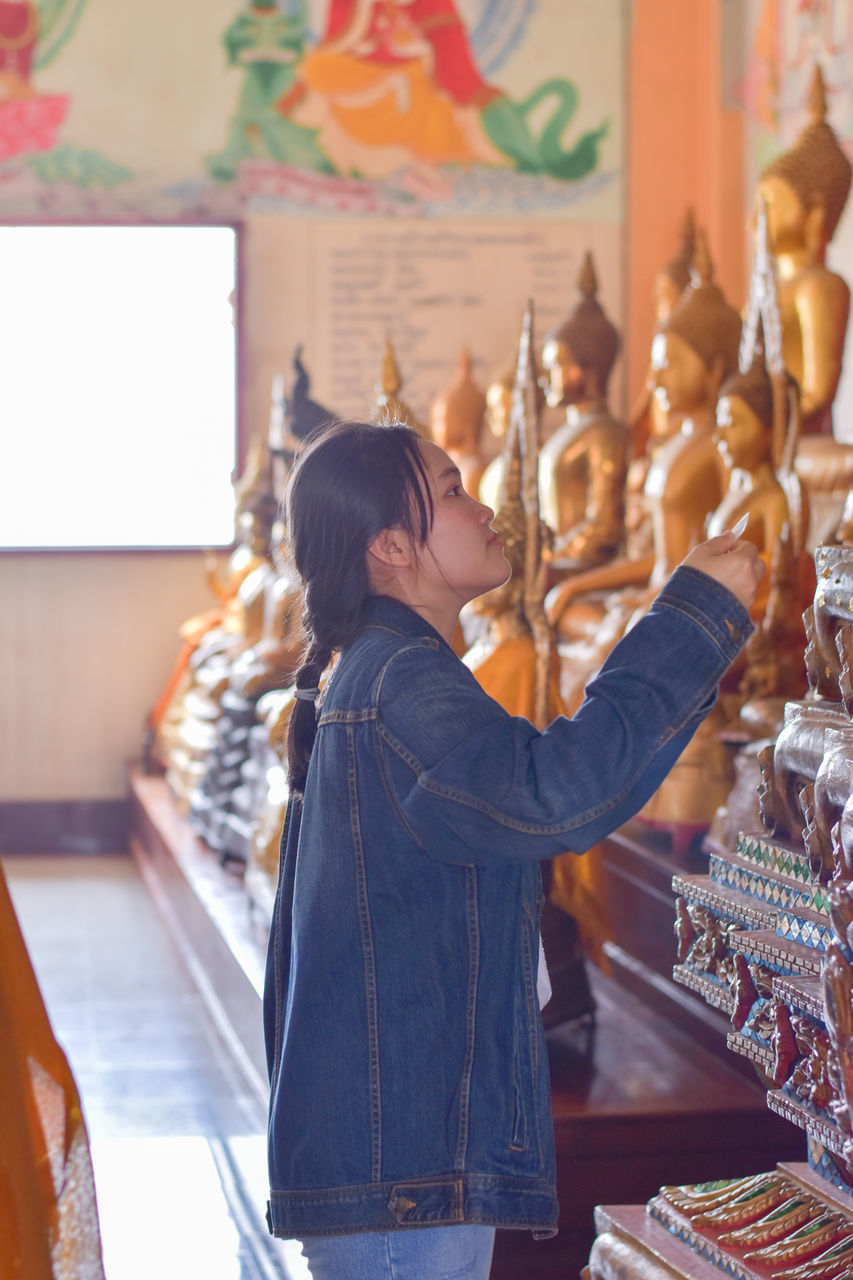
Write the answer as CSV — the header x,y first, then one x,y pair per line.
x,y
582,466
744,436
221,803
211,741
770,667
692,352
456,423
256,507
647,421
804,192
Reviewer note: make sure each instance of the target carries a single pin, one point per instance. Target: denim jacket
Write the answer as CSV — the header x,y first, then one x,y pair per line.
x,y
408,1068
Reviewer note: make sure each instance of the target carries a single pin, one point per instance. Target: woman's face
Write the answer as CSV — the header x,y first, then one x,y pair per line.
x,y
463,556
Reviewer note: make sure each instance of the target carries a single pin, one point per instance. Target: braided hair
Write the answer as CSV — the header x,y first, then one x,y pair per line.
x,y
349,482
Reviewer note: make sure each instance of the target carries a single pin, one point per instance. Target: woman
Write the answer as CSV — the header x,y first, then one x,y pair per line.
x,y
410,1100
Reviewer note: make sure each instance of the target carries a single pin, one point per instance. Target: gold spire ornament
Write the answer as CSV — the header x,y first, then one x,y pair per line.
x,y
525,424
390,405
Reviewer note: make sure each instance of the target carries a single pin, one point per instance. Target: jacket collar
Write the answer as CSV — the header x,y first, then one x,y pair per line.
x,y
384,611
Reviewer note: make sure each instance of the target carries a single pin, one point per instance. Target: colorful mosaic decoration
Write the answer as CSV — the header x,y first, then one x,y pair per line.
x,y
767,936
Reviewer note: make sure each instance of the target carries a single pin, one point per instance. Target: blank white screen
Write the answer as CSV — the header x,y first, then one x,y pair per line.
x,y
117,400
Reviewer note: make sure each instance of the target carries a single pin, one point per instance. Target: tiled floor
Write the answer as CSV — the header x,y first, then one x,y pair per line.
x,y
176,1130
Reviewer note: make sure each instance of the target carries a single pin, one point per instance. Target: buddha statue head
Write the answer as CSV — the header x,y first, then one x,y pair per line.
x,y
456,415
805,188
499,403
674,276
257,504
578,356
745,410
499,395
696,347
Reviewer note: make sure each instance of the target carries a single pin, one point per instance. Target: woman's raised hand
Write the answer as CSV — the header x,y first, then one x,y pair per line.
x,y
732,561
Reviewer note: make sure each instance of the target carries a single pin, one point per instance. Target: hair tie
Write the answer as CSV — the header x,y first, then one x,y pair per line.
x,y
306,695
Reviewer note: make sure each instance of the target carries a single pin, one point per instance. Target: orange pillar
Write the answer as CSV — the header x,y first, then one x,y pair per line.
x,y
685,148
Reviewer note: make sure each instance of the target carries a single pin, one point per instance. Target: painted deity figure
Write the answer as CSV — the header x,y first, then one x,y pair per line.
x,y
456,422
804,192
391,83
582,467
394,83
19,33
266,44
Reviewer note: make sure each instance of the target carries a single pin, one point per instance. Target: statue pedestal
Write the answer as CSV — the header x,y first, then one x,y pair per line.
x,y
657,1241
630,1245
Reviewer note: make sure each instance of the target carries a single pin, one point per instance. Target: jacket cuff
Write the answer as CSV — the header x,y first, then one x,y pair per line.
x,y
712,606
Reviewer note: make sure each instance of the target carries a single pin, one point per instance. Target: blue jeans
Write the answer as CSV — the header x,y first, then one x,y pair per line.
x,y
423,1253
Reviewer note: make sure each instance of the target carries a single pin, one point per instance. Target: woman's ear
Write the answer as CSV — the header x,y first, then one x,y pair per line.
x,y
390,548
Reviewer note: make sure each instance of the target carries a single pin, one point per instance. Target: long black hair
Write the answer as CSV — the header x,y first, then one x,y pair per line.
x,y
349,482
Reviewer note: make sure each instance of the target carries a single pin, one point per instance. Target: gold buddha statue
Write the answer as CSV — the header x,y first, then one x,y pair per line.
x,y
499,394
504,657
757,433
456,422
756,453
208,632
389,405
583,465
692,352
674,276
744,439
804,191
648,423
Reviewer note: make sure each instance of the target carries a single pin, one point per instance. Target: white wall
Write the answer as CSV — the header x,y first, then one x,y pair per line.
x,y
87,642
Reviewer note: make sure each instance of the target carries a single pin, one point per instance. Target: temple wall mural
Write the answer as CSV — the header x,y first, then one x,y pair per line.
x,y
399,107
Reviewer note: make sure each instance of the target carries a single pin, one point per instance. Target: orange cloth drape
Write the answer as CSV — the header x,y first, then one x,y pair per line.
x,y
48,1213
